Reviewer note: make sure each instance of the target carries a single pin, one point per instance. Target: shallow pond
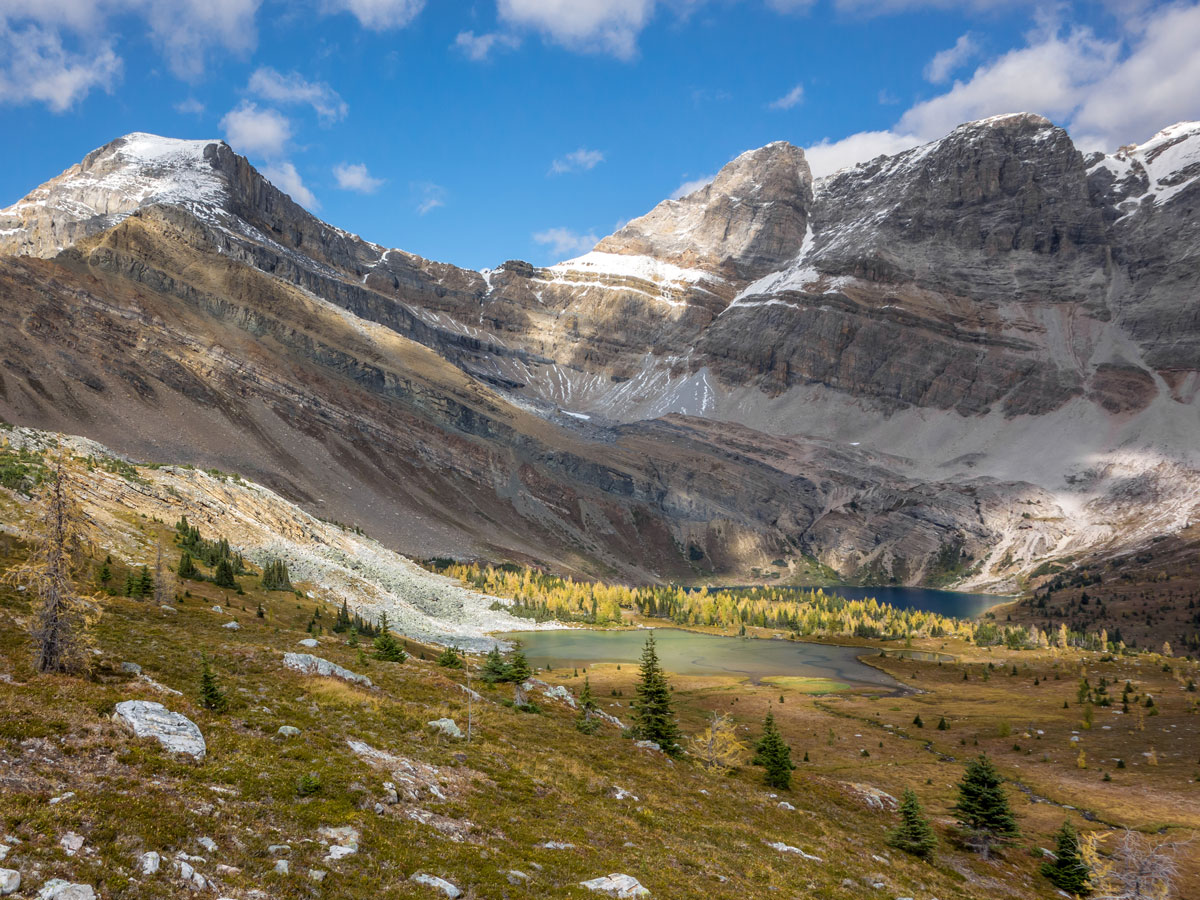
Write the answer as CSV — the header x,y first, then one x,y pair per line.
x,y
812,667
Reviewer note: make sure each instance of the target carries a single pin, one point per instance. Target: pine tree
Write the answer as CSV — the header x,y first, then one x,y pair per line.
x,y
187,568
275,577
653,717
450,658
942,726
587,721
342,623
387,648
518,668
914,834
983,812
223,576
918,722
131,584
145,586
211,695
1067,870
494,668
104,576
61,616
774,755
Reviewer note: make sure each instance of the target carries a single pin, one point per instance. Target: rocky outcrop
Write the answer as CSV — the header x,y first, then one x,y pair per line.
x,y
307,664
175,731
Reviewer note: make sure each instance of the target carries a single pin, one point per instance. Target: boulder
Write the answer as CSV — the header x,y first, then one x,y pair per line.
x,y
282,867
232,626
314,665
10,881
57,889
447,727
309,642
149,862
288,731
433,881
788,848
559,692
71,843
617,885
648,745
131,668
175,731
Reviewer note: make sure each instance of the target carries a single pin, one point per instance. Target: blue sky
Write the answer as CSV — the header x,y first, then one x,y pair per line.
x,y
479,132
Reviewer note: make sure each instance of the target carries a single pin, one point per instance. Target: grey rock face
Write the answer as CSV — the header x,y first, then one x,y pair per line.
x,y
175,731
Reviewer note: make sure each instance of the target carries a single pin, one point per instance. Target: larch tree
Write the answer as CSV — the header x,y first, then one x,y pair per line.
x,y
717,746
1135,869
61,615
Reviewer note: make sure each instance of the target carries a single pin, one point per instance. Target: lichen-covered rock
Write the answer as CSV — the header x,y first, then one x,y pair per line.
x,y
617,885
315,665
437,883
10,881
57,889
448,727
175,731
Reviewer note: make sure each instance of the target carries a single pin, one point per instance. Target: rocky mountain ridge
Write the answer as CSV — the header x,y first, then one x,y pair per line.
x,y
994,310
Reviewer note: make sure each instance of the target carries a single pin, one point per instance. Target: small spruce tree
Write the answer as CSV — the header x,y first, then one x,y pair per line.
x,y
450,658
942,726
211,695
145,585
1067,871
587,721
223,576
494,668
914,834
918,721
983,812
653,718
518,667
774,755
187,567
387,648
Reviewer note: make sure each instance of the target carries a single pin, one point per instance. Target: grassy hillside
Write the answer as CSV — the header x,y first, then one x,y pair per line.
x,y
487,807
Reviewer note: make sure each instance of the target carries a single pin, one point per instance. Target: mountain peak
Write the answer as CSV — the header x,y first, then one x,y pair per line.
x,y
747,221
110,183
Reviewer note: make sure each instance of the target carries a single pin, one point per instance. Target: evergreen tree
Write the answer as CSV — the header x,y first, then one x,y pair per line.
x,y
587,721
187,568
105,574
275,577
223,576
983,812
131,584
518,667
387,648
211,695
774,755
494,668
353,641
914,834
942,726
145,582
653,717
342,623
450,658
917,721
1067,870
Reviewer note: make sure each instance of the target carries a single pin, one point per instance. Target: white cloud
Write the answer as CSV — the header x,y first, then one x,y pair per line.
x,y
430,196
609,26
186,30
1105,92
249,130
36,68
355,177
189,107
285,177
566,242
479,46
792,98
581,160
690,187
269,84
945,62
828,156
1152,87
379,14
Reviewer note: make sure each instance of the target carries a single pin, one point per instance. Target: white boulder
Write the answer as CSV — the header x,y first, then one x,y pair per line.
x,y
149,862
10,881
617,885
447,727
433,881
314,665
57,889
175,731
